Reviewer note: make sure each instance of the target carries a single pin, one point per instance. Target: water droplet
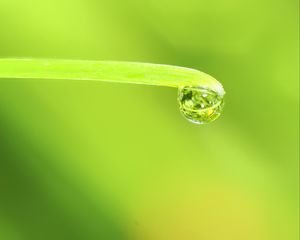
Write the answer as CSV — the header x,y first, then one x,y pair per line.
x,y
200,105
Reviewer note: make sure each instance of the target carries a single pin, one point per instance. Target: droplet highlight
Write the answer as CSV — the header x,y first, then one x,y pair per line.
x,y
200,105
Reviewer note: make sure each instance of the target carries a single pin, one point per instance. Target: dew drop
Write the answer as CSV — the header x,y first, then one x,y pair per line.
x,y
200,105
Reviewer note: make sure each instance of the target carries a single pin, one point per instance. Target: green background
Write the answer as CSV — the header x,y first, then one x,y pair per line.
x,y
91,160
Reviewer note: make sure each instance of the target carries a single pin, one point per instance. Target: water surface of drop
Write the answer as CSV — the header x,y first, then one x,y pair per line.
x,y
200,105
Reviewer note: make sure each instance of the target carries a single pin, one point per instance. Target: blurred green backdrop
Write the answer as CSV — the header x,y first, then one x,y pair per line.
x,y
91,160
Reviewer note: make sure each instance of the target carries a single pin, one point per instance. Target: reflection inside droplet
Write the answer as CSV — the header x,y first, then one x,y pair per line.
x,y
200,105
